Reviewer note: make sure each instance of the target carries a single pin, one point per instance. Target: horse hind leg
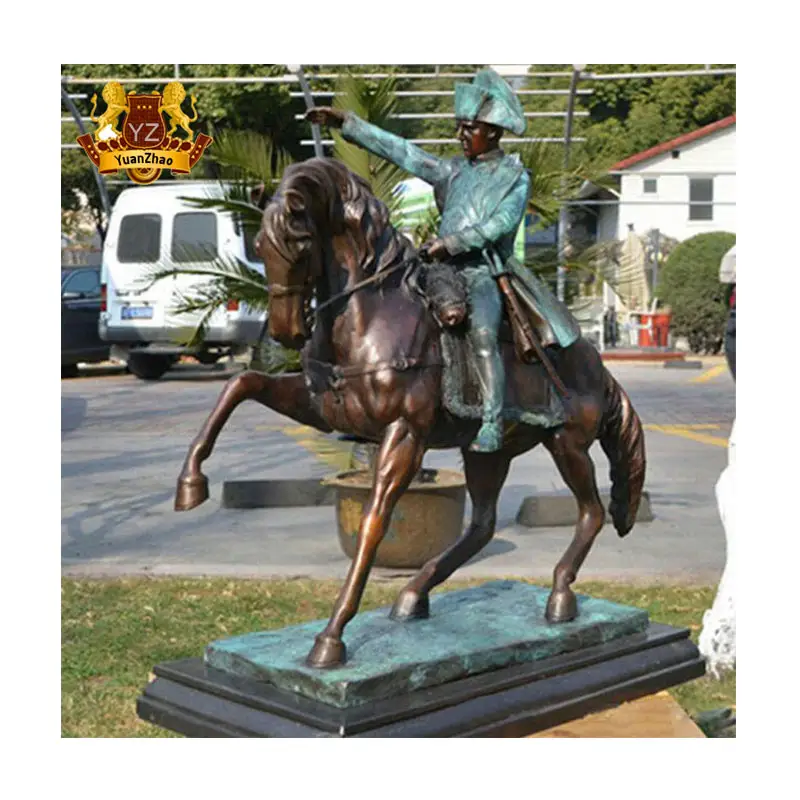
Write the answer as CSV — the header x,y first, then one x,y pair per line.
x,y
486,473
577,470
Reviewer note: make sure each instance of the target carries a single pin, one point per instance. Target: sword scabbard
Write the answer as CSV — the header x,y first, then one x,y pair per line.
x,y
525,339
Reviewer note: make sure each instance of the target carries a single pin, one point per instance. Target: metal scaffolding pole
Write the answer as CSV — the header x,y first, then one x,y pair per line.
x,y
563,214
309,100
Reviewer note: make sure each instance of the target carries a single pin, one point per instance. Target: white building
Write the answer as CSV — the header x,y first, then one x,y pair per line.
x,y
681,187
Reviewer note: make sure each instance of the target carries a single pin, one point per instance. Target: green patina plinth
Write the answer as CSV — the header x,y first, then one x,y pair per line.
x,y
469,632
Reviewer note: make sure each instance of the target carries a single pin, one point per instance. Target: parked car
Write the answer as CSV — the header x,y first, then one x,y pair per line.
x,y
151,226
80,316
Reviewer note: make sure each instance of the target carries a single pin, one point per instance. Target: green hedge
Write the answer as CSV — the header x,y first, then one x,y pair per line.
x,y
689,285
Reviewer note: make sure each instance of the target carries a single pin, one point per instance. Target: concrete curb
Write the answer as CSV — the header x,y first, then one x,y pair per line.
x,y
683,365
557,509
285,493
547,510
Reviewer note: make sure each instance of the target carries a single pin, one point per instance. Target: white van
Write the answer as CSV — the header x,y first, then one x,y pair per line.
x,y
152,228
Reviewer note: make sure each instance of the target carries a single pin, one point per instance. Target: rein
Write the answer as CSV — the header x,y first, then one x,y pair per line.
x,y
335,376
378,277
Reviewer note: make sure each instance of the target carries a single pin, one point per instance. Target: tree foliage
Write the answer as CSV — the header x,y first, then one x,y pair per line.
x,y
630,115
689,284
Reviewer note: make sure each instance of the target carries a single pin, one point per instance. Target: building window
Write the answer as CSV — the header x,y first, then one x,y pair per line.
x,y
194,237
650,185
701,198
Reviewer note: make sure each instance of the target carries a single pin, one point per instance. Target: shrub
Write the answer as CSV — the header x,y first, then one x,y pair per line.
x,y
689,285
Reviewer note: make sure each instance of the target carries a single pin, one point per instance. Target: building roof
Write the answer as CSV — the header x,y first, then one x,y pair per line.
x,y
677,142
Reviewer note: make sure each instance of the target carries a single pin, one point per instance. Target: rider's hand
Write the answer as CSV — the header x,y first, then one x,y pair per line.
x,y
434,250
325,115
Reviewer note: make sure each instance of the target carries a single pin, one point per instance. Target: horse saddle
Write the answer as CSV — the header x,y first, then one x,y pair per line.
x,y
529,393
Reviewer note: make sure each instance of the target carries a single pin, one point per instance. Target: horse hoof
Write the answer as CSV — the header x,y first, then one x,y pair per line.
x,y
410,605
561,606
327,652
191,493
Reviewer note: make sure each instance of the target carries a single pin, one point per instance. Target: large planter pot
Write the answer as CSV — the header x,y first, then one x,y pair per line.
x,y
427,519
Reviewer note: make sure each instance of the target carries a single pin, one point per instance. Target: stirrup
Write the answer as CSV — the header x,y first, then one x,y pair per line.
x,y
489,438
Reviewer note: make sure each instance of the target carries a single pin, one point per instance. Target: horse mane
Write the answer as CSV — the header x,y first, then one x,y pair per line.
x,y
321,196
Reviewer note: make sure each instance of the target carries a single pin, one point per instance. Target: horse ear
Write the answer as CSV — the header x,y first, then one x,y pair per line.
x,y
257,195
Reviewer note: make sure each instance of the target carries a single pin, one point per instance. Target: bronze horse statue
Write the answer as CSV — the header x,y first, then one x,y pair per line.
x,y
373,369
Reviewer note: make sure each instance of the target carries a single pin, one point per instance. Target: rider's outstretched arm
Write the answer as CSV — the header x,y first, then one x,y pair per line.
x,y
505,219
394,148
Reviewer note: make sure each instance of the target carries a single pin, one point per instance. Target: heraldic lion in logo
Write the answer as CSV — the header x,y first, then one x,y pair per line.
x,y
117,103
174,94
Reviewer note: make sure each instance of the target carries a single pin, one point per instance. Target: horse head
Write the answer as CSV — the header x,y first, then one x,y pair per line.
x,y
289,244
321,213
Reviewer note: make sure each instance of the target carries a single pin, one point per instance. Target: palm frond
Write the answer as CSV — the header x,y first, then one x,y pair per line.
x,y
552,184
249,156
374,102
244,208
227,279
224,269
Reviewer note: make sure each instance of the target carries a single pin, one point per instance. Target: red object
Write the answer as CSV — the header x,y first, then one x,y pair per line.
x,y
646,331
733,297
103,297
233,305
657,332
661,323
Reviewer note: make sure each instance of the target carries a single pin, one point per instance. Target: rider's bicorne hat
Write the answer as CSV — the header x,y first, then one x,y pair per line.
x,y
490,99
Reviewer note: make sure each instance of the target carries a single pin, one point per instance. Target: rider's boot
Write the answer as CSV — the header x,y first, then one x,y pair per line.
x,y
492,380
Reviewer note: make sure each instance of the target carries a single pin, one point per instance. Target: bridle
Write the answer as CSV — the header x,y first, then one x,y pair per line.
x,y
279,290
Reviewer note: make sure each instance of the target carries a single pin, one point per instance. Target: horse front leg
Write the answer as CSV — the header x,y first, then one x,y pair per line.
x,y
286,394
399,459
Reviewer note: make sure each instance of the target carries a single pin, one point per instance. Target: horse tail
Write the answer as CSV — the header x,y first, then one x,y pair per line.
x,y
622,440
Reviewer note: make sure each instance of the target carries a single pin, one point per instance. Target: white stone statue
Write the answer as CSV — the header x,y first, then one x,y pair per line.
x,y
718,637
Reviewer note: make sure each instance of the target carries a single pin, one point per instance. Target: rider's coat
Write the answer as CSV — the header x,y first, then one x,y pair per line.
x,y
482,203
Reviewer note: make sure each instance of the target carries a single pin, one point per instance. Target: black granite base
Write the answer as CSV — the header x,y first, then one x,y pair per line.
x,y
198,701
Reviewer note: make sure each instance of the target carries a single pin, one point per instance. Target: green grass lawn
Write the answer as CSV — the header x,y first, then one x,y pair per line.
x,y
114,631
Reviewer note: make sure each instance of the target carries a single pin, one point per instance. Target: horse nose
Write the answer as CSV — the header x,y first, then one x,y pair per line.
x,y
291,341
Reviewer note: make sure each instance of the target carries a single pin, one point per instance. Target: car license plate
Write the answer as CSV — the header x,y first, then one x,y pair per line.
x,y
137,312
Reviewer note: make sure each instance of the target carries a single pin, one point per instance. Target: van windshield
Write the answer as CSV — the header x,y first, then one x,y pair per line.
x,y
139,238
194,237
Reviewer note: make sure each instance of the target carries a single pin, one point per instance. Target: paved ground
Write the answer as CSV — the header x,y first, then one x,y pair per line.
x,y
123,442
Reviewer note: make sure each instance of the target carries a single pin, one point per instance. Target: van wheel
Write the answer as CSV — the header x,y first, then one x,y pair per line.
x,y
148,367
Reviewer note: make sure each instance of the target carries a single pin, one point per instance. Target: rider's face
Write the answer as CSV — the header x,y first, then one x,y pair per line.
x,y
476,138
